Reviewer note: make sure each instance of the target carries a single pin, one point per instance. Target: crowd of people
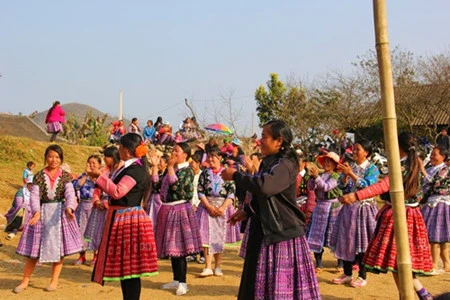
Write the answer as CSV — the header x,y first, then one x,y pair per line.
x,y
159,132
145,205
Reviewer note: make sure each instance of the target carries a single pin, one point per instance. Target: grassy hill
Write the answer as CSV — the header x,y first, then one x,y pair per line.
x,y
15,152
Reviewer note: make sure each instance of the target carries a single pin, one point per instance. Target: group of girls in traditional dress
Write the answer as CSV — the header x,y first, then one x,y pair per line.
x,y
277,241
381,253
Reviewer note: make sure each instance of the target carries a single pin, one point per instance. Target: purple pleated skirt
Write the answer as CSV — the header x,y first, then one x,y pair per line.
x,y
233,232
321,225
353,230
82,214
54,127
94,228
70,238
243,248
177,231
437,220
285,270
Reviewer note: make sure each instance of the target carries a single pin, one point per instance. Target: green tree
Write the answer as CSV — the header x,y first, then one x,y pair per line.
x,y
270,100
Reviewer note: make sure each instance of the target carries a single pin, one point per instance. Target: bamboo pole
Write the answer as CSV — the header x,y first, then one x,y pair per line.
x,y
391,143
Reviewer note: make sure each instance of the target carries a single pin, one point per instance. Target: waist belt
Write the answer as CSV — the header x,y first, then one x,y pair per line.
x,y
435,199
52,201
174,202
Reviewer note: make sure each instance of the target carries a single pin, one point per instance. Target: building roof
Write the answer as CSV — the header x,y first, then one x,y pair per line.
x,y
417,105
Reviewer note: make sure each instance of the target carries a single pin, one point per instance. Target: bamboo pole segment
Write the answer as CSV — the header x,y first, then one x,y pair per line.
x,y
391,143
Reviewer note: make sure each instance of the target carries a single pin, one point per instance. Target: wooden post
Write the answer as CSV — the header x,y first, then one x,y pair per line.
x,y
391,142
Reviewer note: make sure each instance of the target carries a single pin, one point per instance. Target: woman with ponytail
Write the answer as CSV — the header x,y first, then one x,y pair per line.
x,y
278,263
381,254
127,251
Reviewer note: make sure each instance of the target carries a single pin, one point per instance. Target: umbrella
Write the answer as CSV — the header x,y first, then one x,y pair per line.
x,y
219,128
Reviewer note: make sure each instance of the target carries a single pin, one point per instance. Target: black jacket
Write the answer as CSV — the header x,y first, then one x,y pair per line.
x,y
274,189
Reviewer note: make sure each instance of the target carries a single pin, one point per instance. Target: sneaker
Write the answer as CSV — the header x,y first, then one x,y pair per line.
x,y
437,272
201,260
190,258
10,236
171,285
182,289
218,272
358,282
342,279
206,272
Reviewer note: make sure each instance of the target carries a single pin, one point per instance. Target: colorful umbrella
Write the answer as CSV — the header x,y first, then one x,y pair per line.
x,y
219,128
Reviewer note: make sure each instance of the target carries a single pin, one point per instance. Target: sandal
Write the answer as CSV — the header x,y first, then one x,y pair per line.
x,y
318,270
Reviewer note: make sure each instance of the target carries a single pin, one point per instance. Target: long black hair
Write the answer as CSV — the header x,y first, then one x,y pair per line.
x,y
279,128
113,152
131,141
407,142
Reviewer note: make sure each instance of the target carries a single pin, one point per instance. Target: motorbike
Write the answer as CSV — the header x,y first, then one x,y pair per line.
x,y
380,160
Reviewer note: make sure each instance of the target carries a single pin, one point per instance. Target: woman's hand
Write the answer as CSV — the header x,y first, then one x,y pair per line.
x,y
154,158
212,211
345,168
69,213
227,174
36,217
94,174
99,205
238,216
220,211
348,198
314,171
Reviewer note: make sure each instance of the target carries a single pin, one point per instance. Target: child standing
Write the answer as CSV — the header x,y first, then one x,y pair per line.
x,y
28,172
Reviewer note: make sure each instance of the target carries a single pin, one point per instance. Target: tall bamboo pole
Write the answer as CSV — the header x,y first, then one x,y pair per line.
x,y
391,143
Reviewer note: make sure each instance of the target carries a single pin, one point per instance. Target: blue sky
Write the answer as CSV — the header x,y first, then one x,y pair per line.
x,y
160,52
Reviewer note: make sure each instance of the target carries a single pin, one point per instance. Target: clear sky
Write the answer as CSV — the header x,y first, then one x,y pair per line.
x,y
160,52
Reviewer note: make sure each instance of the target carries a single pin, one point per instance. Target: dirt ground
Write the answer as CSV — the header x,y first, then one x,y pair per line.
x,y
75,280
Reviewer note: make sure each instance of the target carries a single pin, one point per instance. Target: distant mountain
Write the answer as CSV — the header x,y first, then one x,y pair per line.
x,y
78,110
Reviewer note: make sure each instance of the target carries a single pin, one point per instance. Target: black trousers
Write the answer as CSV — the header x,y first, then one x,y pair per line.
x,y
131,288
179,268
349,264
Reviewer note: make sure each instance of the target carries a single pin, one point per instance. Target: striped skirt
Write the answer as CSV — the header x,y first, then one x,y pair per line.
x,y
243,248
381,255
68,240
285,270
437,220
82,214
177,231
128,246
54,127
94,228
353,229
321,225
233,232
